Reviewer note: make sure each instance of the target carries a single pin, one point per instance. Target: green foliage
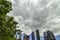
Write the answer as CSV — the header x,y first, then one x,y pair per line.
x,y
5,7
11,25
7,24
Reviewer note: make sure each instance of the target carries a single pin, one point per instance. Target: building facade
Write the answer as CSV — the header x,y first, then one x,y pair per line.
x,y
18,35
45,35
49,35
26,37
33,36
37,34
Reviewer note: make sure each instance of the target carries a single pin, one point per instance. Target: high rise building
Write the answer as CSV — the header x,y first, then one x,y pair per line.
x,y
45,35
26,37
33,36
37,34
49,35
18,34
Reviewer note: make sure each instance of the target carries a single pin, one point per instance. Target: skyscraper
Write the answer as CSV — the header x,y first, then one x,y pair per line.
x,y
26,37
33,36
45,35
18,34
37,34
49,35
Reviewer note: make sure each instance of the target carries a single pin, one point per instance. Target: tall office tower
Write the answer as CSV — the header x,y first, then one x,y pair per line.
x,y
45,35
49,36
18,34
33,36
26,37
37,34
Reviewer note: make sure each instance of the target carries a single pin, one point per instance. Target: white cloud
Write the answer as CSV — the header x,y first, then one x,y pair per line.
x,y
48,5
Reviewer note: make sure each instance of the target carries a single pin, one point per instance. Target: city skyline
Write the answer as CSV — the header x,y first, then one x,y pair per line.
x,y
48,35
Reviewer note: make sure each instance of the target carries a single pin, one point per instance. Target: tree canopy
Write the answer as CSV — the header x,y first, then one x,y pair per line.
x,y
7,24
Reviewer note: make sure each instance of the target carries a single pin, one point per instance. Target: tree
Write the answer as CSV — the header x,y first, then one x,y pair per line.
x,y
5,7
9,28
7,24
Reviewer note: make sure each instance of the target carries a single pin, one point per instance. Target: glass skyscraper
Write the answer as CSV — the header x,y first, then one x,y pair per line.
x,y
37,34
26,37
49,35
33,36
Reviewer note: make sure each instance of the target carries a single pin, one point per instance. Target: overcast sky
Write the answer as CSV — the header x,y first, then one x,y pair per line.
x,y
37,14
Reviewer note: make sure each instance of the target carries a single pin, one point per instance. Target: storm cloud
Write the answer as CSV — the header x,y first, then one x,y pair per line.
x,y
37,14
